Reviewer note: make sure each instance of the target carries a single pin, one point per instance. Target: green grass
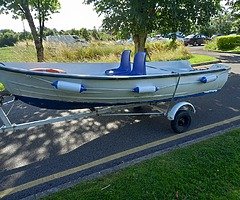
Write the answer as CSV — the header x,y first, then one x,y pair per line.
x,y
196,59
6,54
96,52
207,170
1,87
17,54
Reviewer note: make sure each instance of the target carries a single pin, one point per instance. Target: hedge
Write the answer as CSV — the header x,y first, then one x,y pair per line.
x,y
229,42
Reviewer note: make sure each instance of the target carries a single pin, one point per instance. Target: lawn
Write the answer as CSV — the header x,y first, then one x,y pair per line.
x,y
6,54
196,59
207,170
17,54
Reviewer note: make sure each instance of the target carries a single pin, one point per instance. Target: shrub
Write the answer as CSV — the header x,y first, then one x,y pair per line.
x,y
212,45
8,39
226,43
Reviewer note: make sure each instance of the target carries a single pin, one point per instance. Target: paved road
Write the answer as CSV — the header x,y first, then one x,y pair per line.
x,y
229,58
39,159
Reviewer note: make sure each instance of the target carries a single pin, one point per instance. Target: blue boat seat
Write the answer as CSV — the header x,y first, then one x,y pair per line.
x,y
139,64
125,65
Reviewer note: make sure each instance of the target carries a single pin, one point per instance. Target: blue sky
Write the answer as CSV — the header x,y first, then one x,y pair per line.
x,y
73,14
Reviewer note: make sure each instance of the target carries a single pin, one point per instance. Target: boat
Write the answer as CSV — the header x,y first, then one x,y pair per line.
x,y
109,89
89,85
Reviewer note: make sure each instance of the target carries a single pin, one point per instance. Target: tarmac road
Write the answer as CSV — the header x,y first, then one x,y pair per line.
x,y
229,58
58,155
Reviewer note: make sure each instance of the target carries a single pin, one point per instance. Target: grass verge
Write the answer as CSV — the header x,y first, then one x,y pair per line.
x,y
196,59
1,87
17,54
97,52
207,170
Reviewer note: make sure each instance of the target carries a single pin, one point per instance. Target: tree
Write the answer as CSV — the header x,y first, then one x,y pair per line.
x,y
235,6
85,34
8,38
30,10
49,31
140,18
95,34
183,15
236,14
222,24
134,17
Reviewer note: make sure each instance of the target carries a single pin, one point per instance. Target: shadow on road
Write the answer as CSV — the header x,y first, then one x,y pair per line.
x,y
229,58
57,147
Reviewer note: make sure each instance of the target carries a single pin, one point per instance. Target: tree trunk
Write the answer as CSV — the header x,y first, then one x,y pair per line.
x,y
37,40
40,50
139,41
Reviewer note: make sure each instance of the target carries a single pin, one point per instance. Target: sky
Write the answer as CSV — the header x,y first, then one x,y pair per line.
x,y
73,14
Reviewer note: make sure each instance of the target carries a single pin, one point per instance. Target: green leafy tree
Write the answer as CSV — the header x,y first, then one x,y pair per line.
x,y
73,32
8,38
184,15
134,17
95,34
139,18
85,34
235,6
222,24
30,10
25,36
236,14
236,26
49,31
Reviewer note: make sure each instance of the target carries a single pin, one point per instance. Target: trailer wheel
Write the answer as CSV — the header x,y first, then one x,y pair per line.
x,y
181,122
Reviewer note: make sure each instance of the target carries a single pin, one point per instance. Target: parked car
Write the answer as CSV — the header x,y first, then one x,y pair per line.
x,y
194,40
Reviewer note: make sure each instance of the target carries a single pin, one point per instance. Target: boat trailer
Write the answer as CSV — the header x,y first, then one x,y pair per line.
x,y
180,114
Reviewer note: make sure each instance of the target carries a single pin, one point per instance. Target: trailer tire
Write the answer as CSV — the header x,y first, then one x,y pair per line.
x,y
182,121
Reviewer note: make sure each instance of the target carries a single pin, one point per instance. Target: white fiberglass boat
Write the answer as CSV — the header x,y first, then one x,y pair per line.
x,y
86,85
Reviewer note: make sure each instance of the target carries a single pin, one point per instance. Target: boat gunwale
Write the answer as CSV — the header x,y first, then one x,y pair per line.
x,y
105,77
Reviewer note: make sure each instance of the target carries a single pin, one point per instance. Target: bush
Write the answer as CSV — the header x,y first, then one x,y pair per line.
x,y
8,39
212,45
226,43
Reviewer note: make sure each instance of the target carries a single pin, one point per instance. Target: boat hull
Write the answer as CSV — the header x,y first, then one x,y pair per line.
x,y
37,88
